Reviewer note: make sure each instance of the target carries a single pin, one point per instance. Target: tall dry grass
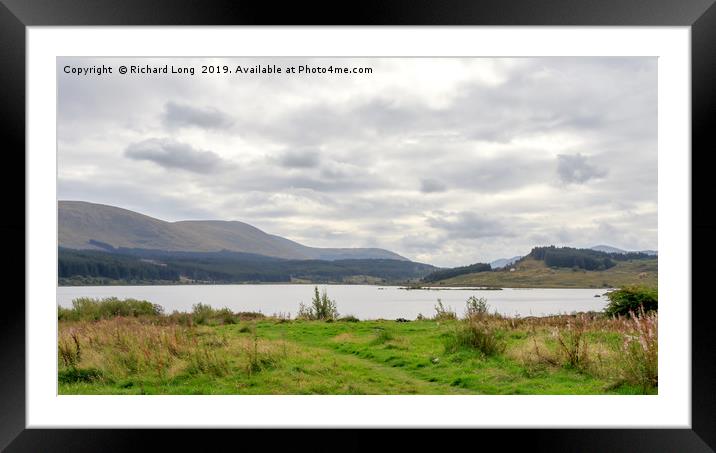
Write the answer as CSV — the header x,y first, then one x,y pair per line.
x,y
640,349
120,348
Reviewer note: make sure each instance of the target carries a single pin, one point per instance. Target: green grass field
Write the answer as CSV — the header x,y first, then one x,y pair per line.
x,y
531,273
161,355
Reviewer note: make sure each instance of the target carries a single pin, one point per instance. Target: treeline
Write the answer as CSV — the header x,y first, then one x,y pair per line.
x,y
224,267
587,259
455,271
115,267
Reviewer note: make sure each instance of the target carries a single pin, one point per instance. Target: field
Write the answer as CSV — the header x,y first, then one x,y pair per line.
x,y
219,352
531,273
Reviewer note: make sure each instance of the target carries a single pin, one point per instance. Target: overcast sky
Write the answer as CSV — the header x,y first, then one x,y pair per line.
x,y
445,161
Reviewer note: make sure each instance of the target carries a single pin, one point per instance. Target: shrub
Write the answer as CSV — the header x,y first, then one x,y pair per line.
x,y
476,307
249,315
572,342
631,299
322,308
201,313
226,316
478,335
444,314
349,318
181,318
89,309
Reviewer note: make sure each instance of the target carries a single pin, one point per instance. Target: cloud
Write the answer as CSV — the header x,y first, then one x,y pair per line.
x,y
357,155
171,154
299,159
178,115
577,169
431,186
469,225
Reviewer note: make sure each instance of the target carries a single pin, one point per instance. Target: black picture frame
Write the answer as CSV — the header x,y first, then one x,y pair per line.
x,y
700,15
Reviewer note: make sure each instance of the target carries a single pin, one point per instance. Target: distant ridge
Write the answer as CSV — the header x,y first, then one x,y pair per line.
x,y
502,262
610,249
90,226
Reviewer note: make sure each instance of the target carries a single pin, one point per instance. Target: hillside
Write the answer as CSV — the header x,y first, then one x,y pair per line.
x,y
93,267
532,273
90,226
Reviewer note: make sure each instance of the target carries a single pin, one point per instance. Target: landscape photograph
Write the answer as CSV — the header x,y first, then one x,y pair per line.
x,y
357,226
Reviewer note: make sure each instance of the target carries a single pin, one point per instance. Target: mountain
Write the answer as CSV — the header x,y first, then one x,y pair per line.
x,y
610,249
502,262
90,226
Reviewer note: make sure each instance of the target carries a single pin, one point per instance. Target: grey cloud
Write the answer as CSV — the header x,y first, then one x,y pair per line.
x,y
159,202
179,115
577,169
357,154
171,154
431,186
299,159
470,225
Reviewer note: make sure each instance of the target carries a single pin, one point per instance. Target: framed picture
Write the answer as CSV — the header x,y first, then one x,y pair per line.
x,y
385,220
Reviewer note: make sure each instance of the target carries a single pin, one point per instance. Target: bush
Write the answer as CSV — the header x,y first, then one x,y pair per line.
x,y
226,316
201,313
631,299
89,309
349,318
478,335
476,307
444,314
322,308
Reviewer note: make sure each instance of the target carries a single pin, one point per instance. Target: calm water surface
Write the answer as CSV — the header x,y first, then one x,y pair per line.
x,y
362,301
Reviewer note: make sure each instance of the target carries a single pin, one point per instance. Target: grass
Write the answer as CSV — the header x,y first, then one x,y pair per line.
x,y
531,273
483,354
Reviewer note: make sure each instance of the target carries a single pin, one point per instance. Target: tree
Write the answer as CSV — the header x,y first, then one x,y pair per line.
x,y
630,299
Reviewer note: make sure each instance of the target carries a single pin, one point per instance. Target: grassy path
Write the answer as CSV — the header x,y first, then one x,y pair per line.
x,y
310,357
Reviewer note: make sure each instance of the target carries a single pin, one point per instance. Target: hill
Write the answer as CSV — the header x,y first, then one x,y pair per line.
x,y
90,226
443,274
533,273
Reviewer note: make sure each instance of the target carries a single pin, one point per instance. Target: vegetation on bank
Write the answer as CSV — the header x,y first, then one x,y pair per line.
x,y
454,272
531,273
587,259
140,266
132,347
632,299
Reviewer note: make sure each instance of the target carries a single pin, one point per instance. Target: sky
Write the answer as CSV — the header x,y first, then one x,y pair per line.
x,y
447,161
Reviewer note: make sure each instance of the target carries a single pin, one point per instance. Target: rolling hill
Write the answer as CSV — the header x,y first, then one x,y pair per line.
x,y
533,273
90,226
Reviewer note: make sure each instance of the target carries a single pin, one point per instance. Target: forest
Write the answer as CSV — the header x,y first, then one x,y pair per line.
x,y
147,266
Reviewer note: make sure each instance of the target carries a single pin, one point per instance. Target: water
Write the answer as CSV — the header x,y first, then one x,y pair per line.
x,y
362,301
